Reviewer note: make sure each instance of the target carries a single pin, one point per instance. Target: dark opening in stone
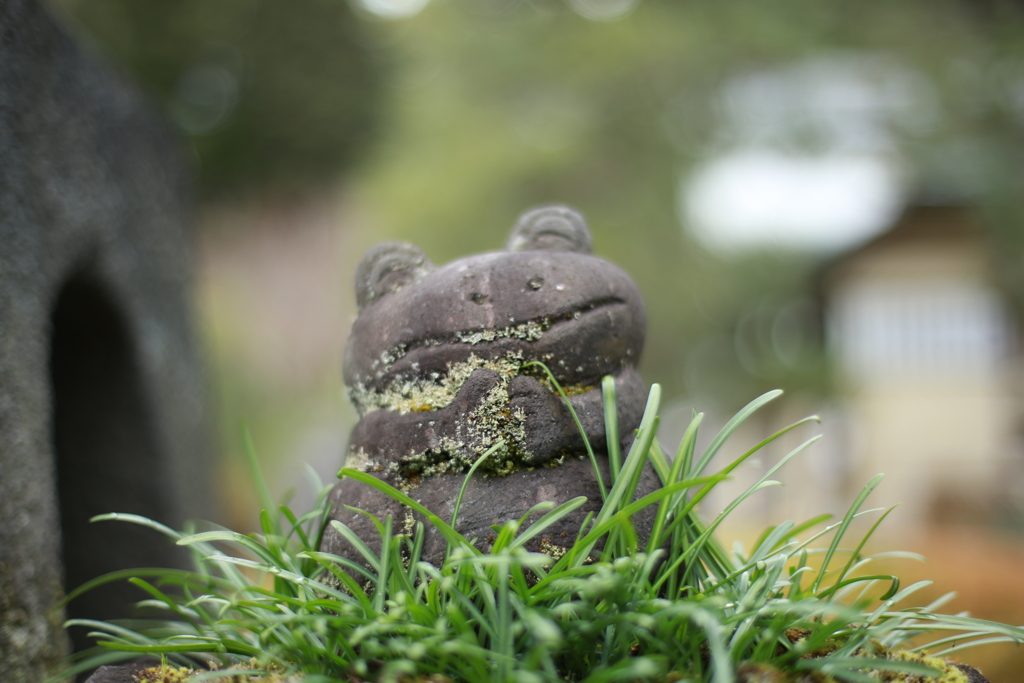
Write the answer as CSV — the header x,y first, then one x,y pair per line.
x,y
106,451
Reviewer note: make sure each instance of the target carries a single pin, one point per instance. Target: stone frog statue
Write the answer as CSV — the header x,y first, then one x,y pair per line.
x,y
437,366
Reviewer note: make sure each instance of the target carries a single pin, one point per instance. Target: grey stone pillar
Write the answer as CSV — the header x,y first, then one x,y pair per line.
x,y
101,394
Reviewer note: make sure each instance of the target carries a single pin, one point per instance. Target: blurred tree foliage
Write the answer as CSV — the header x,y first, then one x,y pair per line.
x,y
488,107
275,94
499,105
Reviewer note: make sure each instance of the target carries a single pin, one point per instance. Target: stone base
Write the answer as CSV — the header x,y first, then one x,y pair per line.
x,y
487,501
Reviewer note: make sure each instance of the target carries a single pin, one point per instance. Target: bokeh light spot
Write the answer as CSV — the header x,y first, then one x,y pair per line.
x,y
765,198
604,10
392,9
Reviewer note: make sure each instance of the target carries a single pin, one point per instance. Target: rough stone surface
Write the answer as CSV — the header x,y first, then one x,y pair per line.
x,y
121,673
437,365
747,673
973,675
101,400
759,672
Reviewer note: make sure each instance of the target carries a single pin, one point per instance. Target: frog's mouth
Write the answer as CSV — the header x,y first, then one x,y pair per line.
x,y
577,344
560,325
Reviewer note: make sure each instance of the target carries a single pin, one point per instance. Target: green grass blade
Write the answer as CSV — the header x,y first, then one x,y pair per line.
x,y
730,427
183,575
583,546
843,526
465,480
360,546
579,425
688,446
232,537
660,462
256,472
451,535
945,652
380,594
636,459
551,517
959,621
856,554
611,426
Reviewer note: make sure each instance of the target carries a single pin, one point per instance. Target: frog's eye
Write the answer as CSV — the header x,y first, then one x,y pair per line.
x,y
387,268
550,228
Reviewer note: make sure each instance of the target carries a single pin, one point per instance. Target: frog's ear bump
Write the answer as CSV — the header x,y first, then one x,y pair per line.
x,y
550,228
387,268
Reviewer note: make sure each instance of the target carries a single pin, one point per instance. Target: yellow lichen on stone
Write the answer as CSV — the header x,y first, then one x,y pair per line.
x,y
950,673
165,673
530,331
423,394
358,459
552,550
569,389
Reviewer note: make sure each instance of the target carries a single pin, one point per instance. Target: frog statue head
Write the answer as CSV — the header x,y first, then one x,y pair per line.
x,y
439,367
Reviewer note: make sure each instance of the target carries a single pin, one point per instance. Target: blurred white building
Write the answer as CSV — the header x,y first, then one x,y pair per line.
x,y
923,344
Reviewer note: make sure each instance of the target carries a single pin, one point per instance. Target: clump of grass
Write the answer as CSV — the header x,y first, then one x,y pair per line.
x,y
672,607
